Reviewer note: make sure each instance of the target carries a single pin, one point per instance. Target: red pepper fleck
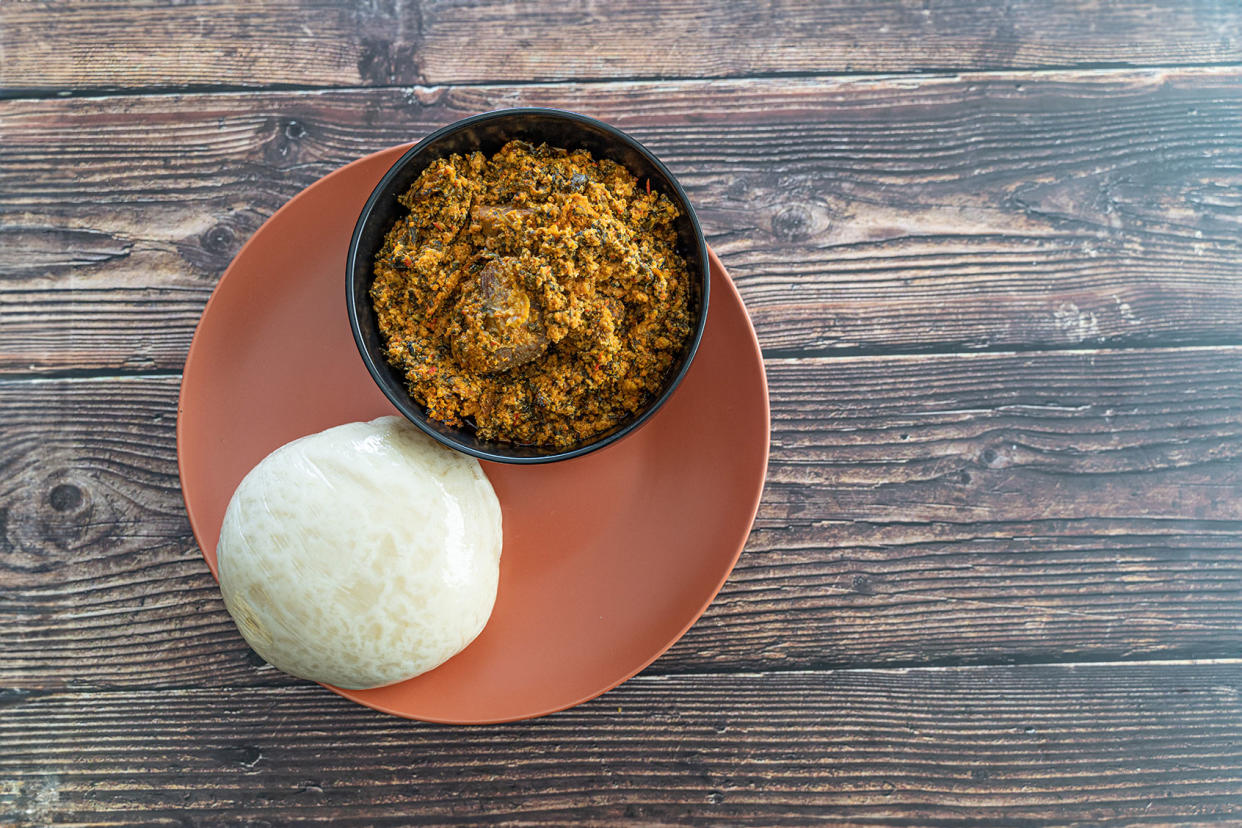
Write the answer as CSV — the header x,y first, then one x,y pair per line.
x,y
648,186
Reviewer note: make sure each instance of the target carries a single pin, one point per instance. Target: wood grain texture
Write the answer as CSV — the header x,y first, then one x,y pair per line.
x,y
991,211
919,510
1039,745
89,44
1002,316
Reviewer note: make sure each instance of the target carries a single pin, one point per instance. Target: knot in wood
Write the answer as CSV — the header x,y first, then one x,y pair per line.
x,y
65,497
792,223
219,240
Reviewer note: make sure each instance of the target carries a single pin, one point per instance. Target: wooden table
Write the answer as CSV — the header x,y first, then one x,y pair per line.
x,y
993,251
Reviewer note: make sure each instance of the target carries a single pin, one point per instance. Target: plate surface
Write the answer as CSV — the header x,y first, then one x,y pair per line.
x,y
608,558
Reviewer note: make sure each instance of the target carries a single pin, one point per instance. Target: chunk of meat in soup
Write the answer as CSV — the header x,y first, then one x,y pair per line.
x,y
500,327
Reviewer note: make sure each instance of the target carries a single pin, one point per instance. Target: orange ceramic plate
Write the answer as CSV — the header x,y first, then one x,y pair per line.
x,y
608,558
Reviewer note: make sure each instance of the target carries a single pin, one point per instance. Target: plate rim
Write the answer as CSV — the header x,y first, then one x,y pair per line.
x,y
194,353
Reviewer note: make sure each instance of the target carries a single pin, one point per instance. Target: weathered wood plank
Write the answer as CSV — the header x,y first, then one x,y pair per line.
x,y
1049,497
1096,744
920,510
162,43
940,214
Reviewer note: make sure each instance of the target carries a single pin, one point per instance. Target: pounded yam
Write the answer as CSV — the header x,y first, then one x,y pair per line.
x,y
362,555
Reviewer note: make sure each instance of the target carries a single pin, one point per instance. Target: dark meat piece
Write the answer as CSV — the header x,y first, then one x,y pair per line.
x,y
495,218
497,326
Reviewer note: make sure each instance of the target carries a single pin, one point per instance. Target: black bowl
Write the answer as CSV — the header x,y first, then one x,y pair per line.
x,y
488,133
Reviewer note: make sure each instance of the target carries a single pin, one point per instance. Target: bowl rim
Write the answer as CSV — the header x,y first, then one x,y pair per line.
x,y
401,399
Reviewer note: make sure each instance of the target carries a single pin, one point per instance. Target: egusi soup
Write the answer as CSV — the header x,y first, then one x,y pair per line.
x,y
536,294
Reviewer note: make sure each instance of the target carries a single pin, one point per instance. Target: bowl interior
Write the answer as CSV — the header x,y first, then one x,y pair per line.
x,y
487,134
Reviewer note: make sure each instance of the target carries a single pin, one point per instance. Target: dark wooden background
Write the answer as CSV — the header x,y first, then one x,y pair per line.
x,y
993,251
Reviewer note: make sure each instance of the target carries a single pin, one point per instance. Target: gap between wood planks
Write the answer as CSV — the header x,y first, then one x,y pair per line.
x,y
14,695
770,355
1093,69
